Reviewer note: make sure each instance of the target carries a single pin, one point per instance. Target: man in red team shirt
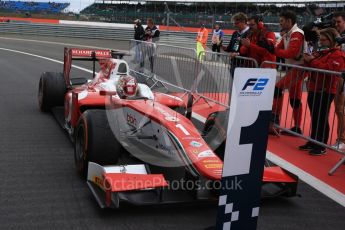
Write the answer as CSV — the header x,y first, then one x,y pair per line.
x,y
259,43
291,49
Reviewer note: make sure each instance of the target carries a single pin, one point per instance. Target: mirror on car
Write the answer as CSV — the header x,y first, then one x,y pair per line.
x,y
107,93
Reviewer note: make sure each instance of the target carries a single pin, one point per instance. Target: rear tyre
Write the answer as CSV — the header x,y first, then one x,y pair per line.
x,y
51,91
95,141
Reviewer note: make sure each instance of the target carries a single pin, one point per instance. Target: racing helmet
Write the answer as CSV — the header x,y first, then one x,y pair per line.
x,y
127,86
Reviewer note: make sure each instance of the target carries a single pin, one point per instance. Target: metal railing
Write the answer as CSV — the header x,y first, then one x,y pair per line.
x,y
214,75
171,64
305,105
208,78
176,65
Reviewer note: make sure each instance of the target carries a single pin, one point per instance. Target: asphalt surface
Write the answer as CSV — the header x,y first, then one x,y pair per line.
x,y
40,189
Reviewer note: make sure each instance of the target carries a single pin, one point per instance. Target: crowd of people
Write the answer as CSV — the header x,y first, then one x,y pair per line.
x,y
150,35
254,40
190,14
22,6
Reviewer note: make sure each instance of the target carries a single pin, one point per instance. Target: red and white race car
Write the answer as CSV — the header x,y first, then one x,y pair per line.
x,y
130,142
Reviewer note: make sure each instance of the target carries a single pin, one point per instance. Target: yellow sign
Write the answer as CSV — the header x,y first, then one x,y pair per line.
x,y
200,51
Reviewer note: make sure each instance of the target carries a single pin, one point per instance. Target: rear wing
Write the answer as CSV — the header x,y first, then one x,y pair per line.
x,y
87,55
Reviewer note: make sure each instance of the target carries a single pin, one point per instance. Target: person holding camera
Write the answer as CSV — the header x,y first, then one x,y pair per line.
x,y
139,31
138,36
151,35
291,49
322,88
259,43
339,101
339,19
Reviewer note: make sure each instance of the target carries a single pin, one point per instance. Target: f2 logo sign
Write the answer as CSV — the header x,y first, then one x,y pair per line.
x,y
259,84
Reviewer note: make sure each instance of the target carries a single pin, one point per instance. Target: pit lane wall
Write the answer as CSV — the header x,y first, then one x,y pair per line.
x,y
104,24
97,30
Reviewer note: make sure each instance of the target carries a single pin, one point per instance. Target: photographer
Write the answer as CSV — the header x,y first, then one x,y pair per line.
x,y
151,31
151,36
339,101
259,43
138,36
291,49
139,31
339,19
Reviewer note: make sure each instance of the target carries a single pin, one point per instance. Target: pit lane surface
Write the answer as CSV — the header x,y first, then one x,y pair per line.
x,y
39,188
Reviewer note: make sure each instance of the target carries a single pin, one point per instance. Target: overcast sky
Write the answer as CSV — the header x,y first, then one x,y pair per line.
x,y
78,4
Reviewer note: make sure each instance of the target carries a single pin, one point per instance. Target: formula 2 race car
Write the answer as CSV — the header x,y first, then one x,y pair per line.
x,y
132,144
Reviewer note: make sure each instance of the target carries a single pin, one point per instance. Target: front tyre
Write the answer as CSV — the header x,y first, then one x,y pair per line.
x,y
95,141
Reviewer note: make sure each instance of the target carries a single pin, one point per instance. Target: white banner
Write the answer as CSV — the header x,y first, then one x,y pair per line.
x,y
252,92
245,151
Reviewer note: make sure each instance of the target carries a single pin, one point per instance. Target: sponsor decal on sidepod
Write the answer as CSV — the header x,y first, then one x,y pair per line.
x,y
207,153
195,144
214,166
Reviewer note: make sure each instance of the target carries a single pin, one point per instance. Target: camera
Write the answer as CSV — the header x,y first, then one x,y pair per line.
x,y
340,40
268,46
324,22
311,35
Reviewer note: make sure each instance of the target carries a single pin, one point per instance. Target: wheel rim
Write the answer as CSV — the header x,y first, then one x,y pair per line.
x,y
40,93
79,154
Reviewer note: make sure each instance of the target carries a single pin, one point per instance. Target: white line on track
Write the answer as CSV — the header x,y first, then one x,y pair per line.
x,y
45,58
307,178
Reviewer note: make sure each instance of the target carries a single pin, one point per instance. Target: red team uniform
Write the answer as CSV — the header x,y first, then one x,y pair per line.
x,y
291,49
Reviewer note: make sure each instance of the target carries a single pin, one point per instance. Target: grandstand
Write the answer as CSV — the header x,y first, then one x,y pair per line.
x,y
192,13
32,7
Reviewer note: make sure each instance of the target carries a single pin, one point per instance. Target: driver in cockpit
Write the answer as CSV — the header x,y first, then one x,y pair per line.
x,y
127,87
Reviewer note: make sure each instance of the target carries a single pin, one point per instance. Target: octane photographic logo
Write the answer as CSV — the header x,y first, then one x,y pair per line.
x,y
175,72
